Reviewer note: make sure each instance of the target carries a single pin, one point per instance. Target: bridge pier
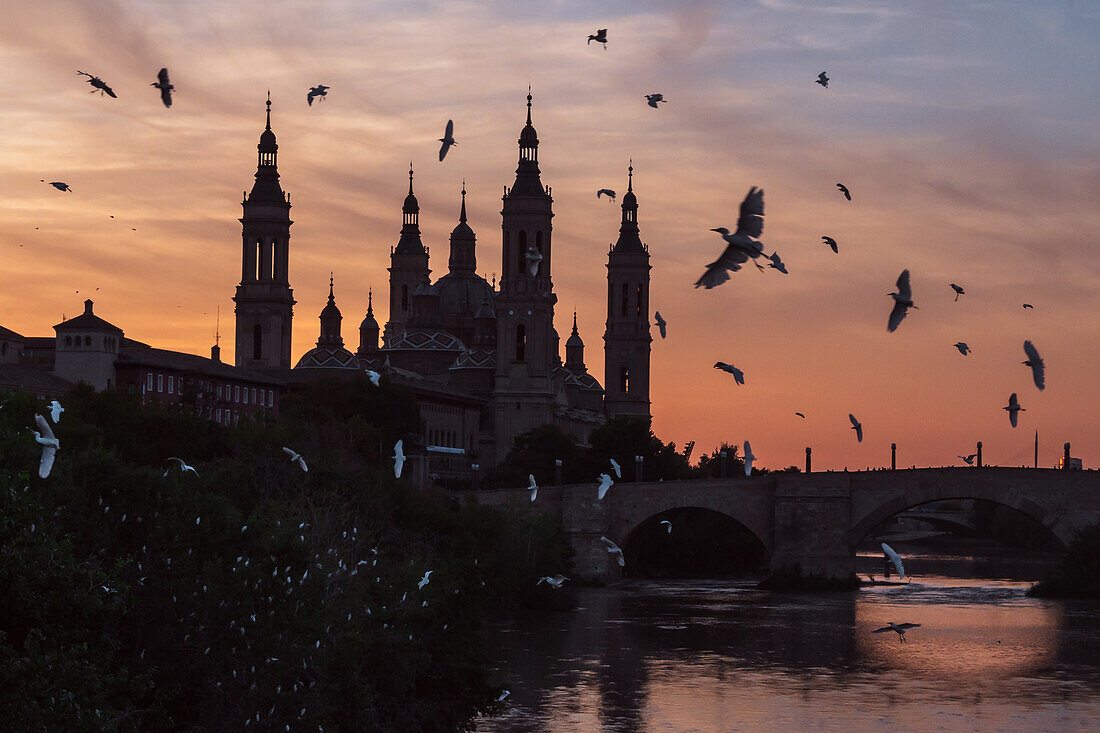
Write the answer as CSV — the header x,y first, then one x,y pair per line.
x,y
811,526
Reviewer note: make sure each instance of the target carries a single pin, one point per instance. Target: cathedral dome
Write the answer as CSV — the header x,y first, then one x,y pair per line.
x,y
462,294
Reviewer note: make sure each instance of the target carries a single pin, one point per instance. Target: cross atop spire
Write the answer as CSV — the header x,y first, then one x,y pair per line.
x,y
268,109
528,104
370,304
630,177
462,213
330,296
574,323
410,177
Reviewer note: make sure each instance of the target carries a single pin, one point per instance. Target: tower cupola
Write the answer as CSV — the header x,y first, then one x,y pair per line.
x,y
463,242
410,223
330,322
574,349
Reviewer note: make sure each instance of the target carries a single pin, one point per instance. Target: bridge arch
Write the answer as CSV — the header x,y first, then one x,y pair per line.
x,y
903,499
702,542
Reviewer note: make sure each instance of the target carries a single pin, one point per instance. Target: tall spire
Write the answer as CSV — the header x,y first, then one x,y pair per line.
x,y
463,242
630,177
410,178
410,222
528,104
462,212
330,321
629,241
268,109
527,174
370,301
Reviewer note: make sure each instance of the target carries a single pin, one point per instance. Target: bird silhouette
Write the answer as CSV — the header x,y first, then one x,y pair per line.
x,y
857,426
55,407
50,445
318,91
448,140
184,468
738,375
59,185
423,581
614,550
607,191
801,415
599,36
532,486
1038,372
748,459
295,458
373,376
958,291
99,84
660,322
398,458
653,99
900,628
844,190
605,484
962,347
829,241
822,80
534,258
895,558
1013,408
616,468
777,263
554,582
903,301
969,460
1026,305
164,86
741,245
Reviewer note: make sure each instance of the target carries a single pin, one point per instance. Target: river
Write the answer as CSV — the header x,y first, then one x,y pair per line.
x,y
719,655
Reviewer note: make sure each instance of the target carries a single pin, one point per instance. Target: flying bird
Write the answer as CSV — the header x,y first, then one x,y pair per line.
x,y
424,581
900,628
164,86
668,525
183,466
962,347
605,484
554,582
653,99
895,558
295,458
1026,305
398,458
448,140
616,468
532,486
503,695
822,80
50,445
749,458
958,291
801,415
660,322
831,243
857,426
599,36
373,376
742,244
738,375
1036,363
318,91
59,185
777,263
614,550
55,410
1013,408
903,301
844,190
534,258
606,192
99,85
969,460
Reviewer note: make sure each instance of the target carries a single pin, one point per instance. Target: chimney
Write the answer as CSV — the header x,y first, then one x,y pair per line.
x,y
88,307
215,353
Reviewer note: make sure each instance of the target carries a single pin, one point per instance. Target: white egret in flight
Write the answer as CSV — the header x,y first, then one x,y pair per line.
x,y
295,458
741,245
614,550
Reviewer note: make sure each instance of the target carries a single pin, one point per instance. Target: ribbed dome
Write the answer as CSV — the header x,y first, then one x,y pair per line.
x,y
461,294
574,340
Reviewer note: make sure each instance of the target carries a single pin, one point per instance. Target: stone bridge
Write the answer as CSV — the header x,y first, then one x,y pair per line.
x,y
815,519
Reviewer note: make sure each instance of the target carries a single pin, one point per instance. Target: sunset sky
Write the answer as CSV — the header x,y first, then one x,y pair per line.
x,y
966,131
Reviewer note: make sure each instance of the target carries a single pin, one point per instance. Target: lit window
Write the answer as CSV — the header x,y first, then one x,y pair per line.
x,y
624,380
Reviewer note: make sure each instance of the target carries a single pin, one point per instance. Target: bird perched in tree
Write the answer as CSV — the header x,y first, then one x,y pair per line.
x,y
164,86
1013,407
532,486
969,460
55,410
822,80
741,245
1036,363
900,628
962,347
534,259
738,375
50,445
448,140
958,291
660,322
318,91
777,264
59,185
373,376
99,85
749,458
830,242
605,484
295,458
398,458
554,582
653,99
607,192
614,550
857,426
616,468
668,525
844,190
599,36
903,301
184,468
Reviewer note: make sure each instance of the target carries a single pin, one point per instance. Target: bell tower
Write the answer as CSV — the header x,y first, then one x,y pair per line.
x,y
523,390
264,299
627,339
408,267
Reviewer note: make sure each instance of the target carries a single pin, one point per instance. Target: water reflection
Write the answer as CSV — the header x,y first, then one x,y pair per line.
x,y
716,656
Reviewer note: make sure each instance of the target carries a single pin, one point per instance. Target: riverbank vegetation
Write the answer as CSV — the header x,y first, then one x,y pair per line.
x,y
250,595
1078,574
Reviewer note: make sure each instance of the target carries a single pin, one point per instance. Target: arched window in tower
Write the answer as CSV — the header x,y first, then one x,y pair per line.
x,y
404,297
624,380
538,245
257,342
641,301
259,255
521,342
521,254
624,307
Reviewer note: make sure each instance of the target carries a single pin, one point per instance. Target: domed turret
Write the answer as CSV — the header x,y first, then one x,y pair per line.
x,y
574,349
463,243
330,321
368,329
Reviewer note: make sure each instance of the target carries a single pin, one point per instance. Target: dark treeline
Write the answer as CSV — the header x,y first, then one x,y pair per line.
x,y
1078,573
254,595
